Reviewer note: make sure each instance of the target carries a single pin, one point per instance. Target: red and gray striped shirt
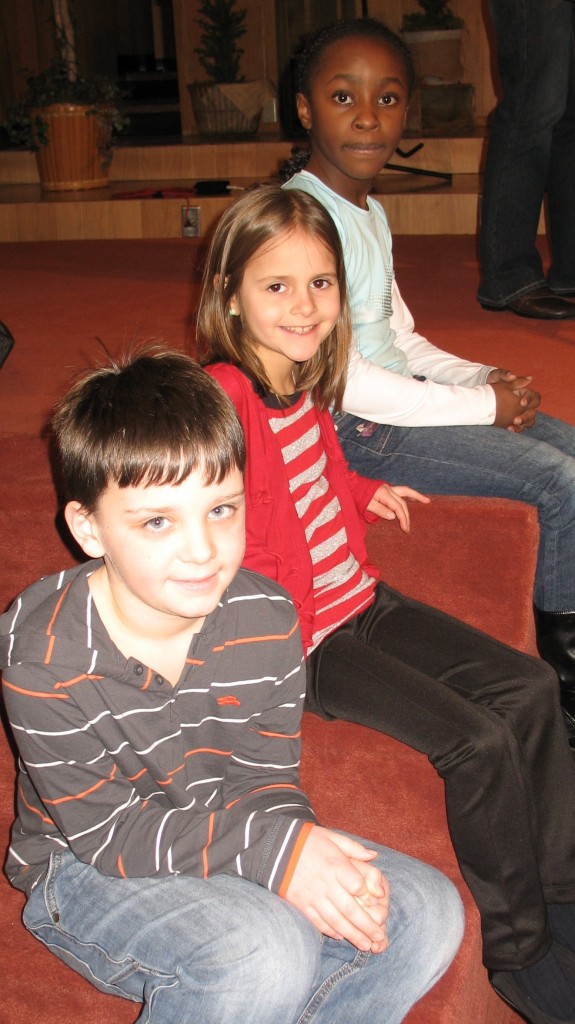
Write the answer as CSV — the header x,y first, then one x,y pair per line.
x,y
341,587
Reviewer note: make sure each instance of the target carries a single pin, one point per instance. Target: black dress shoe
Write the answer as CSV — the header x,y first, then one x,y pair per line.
x,y
6,342
506,986
538,304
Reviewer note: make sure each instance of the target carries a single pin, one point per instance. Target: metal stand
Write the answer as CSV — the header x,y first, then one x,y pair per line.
x,y
445,175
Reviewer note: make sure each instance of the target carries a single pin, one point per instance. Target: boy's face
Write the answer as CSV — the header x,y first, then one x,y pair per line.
x,y
170,551
355,114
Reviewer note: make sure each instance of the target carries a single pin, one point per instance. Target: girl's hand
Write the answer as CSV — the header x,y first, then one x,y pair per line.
x,y
388,503
516,417
515,404
498,374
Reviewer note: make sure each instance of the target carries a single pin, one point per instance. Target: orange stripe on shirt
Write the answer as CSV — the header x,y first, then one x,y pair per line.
x,y
57,609
205,849
49,649
262,789
256,639
147,680
75,680
279,735
32,693
85,793
207,750
192,753
120,864
34,810
295,856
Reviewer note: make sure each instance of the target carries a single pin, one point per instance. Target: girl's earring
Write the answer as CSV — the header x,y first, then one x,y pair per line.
x,y
233,312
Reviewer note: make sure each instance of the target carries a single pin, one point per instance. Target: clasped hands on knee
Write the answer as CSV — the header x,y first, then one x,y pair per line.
x,y
340,891
515,402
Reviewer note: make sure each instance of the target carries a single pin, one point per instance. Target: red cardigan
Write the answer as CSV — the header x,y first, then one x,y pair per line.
x,y
275,540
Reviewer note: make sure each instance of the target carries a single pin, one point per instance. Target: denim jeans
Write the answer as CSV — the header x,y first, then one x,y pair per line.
x,y
536,466
226,950
531,151
488,718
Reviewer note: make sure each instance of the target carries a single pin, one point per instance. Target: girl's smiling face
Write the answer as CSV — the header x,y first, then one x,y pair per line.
x,y
289,303
355,113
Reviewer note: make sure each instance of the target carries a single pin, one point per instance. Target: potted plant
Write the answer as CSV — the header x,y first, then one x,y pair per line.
x,y
66,118
433,36
225,103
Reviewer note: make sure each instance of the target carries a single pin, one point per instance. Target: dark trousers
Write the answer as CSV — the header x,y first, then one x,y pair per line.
x,y
531,151
488,718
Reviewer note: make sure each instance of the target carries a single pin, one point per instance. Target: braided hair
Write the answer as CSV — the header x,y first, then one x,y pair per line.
x,y
311,51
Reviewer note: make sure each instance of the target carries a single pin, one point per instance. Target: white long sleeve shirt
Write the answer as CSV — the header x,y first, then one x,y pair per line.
x,y
389,355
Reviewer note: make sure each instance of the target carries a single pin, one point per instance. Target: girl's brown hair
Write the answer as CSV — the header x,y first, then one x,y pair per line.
x,y
255,220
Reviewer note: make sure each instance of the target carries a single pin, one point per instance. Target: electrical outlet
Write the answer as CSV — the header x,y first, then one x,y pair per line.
x,y
190,221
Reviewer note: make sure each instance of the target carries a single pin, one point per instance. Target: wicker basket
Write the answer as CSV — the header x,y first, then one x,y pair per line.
x,y
231,108
72,157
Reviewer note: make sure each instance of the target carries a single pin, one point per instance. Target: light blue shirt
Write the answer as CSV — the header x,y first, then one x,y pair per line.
x,y
366,241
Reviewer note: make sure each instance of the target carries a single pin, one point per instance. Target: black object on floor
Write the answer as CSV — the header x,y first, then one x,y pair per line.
x,y
6,342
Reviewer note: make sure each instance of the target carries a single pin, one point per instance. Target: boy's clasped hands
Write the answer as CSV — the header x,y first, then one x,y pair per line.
x,y
338,889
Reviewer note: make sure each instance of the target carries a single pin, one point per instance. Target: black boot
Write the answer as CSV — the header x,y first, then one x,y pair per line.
x,y
556,644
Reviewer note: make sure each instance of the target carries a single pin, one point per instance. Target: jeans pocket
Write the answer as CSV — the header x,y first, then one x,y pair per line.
x,y
53,914
362,436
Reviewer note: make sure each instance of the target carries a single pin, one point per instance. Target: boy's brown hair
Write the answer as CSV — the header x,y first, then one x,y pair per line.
x,y
254,221
152,418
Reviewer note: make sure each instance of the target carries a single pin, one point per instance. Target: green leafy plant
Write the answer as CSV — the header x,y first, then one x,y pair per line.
x,y
435,14
61,82
222,26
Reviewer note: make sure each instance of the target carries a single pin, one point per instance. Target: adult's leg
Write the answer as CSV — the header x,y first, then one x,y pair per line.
x,y
561,190
488,718
536,466
227,950
533,53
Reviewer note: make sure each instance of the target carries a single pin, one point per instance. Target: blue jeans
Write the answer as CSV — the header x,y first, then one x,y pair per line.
x,y
531,151
227,950
537,466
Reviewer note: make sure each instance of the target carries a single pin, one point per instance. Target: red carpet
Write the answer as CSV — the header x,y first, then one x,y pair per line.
x,y
57,298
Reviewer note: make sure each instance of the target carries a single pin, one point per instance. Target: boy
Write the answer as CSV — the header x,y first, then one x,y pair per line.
x,y
155,693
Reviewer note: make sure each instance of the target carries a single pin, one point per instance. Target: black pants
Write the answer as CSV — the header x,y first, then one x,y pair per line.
x,y
488,718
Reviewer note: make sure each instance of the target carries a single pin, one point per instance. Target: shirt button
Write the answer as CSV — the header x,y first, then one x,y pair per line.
x,y
159,680
138,670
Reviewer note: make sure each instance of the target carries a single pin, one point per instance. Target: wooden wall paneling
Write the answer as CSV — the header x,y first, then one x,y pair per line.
x,y
389,11
186,61
258,60
112,26
25,45
477,50
477,55
109,28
